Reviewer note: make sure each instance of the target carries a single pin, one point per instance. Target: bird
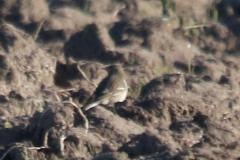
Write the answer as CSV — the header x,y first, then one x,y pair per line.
x,y
111,89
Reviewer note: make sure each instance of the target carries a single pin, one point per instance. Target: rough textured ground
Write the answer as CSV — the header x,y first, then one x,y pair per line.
x,y
181,58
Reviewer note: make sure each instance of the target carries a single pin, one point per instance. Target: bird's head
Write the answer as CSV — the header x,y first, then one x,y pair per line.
x,y
114,68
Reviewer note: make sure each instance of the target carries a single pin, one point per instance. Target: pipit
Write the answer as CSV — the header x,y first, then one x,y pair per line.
x,y
111,89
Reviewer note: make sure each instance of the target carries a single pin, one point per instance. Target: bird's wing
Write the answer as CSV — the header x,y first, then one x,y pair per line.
x,y
109,86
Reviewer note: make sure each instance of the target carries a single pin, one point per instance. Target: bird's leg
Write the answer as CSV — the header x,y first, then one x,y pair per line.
x,y
110,108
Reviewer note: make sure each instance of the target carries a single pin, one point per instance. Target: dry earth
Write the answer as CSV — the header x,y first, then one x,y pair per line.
x,y
181,58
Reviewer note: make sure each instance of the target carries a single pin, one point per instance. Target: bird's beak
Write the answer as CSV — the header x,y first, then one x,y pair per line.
x,y
107,67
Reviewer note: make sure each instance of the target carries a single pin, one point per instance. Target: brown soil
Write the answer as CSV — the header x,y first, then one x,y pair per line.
x,y
182,64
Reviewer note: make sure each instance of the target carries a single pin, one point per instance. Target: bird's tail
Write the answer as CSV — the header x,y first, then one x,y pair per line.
x,y
91,105
95,103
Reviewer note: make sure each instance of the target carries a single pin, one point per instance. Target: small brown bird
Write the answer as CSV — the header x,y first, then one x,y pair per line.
x,y
111,89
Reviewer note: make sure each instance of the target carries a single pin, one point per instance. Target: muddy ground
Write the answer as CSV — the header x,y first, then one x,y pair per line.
x,y
182,64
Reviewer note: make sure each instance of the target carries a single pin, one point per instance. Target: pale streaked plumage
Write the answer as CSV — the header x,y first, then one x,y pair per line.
x,y
111,89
